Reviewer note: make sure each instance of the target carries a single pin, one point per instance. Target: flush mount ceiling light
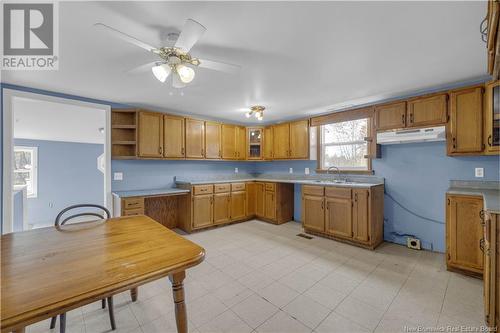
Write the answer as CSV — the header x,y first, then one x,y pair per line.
x,y
257,110
176,61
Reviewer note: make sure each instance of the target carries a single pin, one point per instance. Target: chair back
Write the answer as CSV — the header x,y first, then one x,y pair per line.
x,y
58,221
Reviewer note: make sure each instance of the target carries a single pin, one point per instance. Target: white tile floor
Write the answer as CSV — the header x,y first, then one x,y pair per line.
x,y
258,277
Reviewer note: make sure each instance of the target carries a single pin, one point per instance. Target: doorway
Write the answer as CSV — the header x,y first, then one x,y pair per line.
x,y
56,154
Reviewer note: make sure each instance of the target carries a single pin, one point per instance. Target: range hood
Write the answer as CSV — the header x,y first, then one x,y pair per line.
x,y
412,135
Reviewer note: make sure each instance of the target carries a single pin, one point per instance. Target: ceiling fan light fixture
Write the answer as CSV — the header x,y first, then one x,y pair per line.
x,y
161,72
248,114
186,74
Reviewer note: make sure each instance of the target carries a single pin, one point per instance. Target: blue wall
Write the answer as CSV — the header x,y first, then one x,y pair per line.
x,y
67,175
417,175
147,174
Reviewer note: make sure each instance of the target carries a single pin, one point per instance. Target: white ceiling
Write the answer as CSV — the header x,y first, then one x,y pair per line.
x,y
42,120
297,58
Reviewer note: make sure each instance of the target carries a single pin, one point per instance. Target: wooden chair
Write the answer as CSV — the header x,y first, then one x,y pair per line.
x,y
58,222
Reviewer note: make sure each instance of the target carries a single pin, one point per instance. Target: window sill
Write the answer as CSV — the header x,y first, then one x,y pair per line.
x,y
360,172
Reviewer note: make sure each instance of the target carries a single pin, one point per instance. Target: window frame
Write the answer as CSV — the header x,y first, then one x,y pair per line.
x,y
33,172
368,139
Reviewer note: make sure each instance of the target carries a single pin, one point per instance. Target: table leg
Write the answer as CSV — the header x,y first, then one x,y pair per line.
x,y
134,292
180,307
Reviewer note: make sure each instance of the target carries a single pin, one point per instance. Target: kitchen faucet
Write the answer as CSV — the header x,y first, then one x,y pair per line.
x,y
338,173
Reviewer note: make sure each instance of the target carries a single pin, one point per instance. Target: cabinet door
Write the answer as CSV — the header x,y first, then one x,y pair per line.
x,y
464,232
313,212
238,203
254,143
259,199
427,111
268,143
361,215
195,138
173,136
299,139
240,139
390,116
212,140
492,114
338,217
222,207
281,141
466,121
251,197
150,134
202,210
270,205
228,142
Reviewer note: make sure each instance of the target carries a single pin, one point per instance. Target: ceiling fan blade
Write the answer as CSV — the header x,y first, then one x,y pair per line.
x,y
191,32
143,68
219,66
124,36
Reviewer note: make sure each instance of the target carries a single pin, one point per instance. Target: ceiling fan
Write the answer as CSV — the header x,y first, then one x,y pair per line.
x,y
175,61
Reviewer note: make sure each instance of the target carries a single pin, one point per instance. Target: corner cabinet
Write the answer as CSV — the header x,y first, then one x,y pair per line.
x,y
465,130
351,215
492,118
464,233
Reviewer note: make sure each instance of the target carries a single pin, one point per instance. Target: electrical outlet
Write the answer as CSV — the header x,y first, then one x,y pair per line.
x,y
118,176
235,170
290,170
479,172
306,171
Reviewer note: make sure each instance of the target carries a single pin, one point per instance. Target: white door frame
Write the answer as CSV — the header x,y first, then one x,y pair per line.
x,y
9,95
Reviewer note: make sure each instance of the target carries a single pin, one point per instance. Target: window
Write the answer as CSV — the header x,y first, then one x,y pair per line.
x,y
343,145
25,168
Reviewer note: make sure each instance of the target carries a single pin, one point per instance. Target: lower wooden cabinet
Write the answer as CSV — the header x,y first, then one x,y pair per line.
x,y
274,202
202,210
464,233
352,215
222,206
491,275
238,205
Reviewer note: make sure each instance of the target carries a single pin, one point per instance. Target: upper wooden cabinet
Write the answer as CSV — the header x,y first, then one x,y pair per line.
x,y
150,135
240,139
492,117
464,233
465,130
228,142
268,143
213,139
195,138
173,138
281,141
255,138
390,116
299,139
427,111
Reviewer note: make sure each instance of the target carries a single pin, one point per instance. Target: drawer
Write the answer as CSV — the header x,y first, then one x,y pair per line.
x,y
237,187
313,190
203,189
221,188
270,187
133,203
338,192
132,212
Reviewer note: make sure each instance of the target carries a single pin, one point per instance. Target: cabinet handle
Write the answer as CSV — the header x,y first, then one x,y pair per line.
x,y
322,205
403,119
411,118
481,244
489,141
160,150
202,152
220,153
356,197
182,151
481,217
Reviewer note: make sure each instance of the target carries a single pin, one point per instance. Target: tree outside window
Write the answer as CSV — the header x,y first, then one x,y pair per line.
x,y
25,169
343,145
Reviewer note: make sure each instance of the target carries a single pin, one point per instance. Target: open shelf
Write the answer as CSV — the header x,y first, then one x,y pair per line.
x,y
124,134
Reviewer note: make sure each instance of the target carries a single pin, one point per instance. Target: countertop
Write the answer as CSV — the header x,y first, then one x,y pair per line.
x,y
149,193
490,191
354,181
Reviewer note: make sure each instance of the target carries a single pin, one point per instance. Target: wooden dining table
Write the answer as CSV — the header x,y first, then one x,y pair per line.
x,y
49,271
